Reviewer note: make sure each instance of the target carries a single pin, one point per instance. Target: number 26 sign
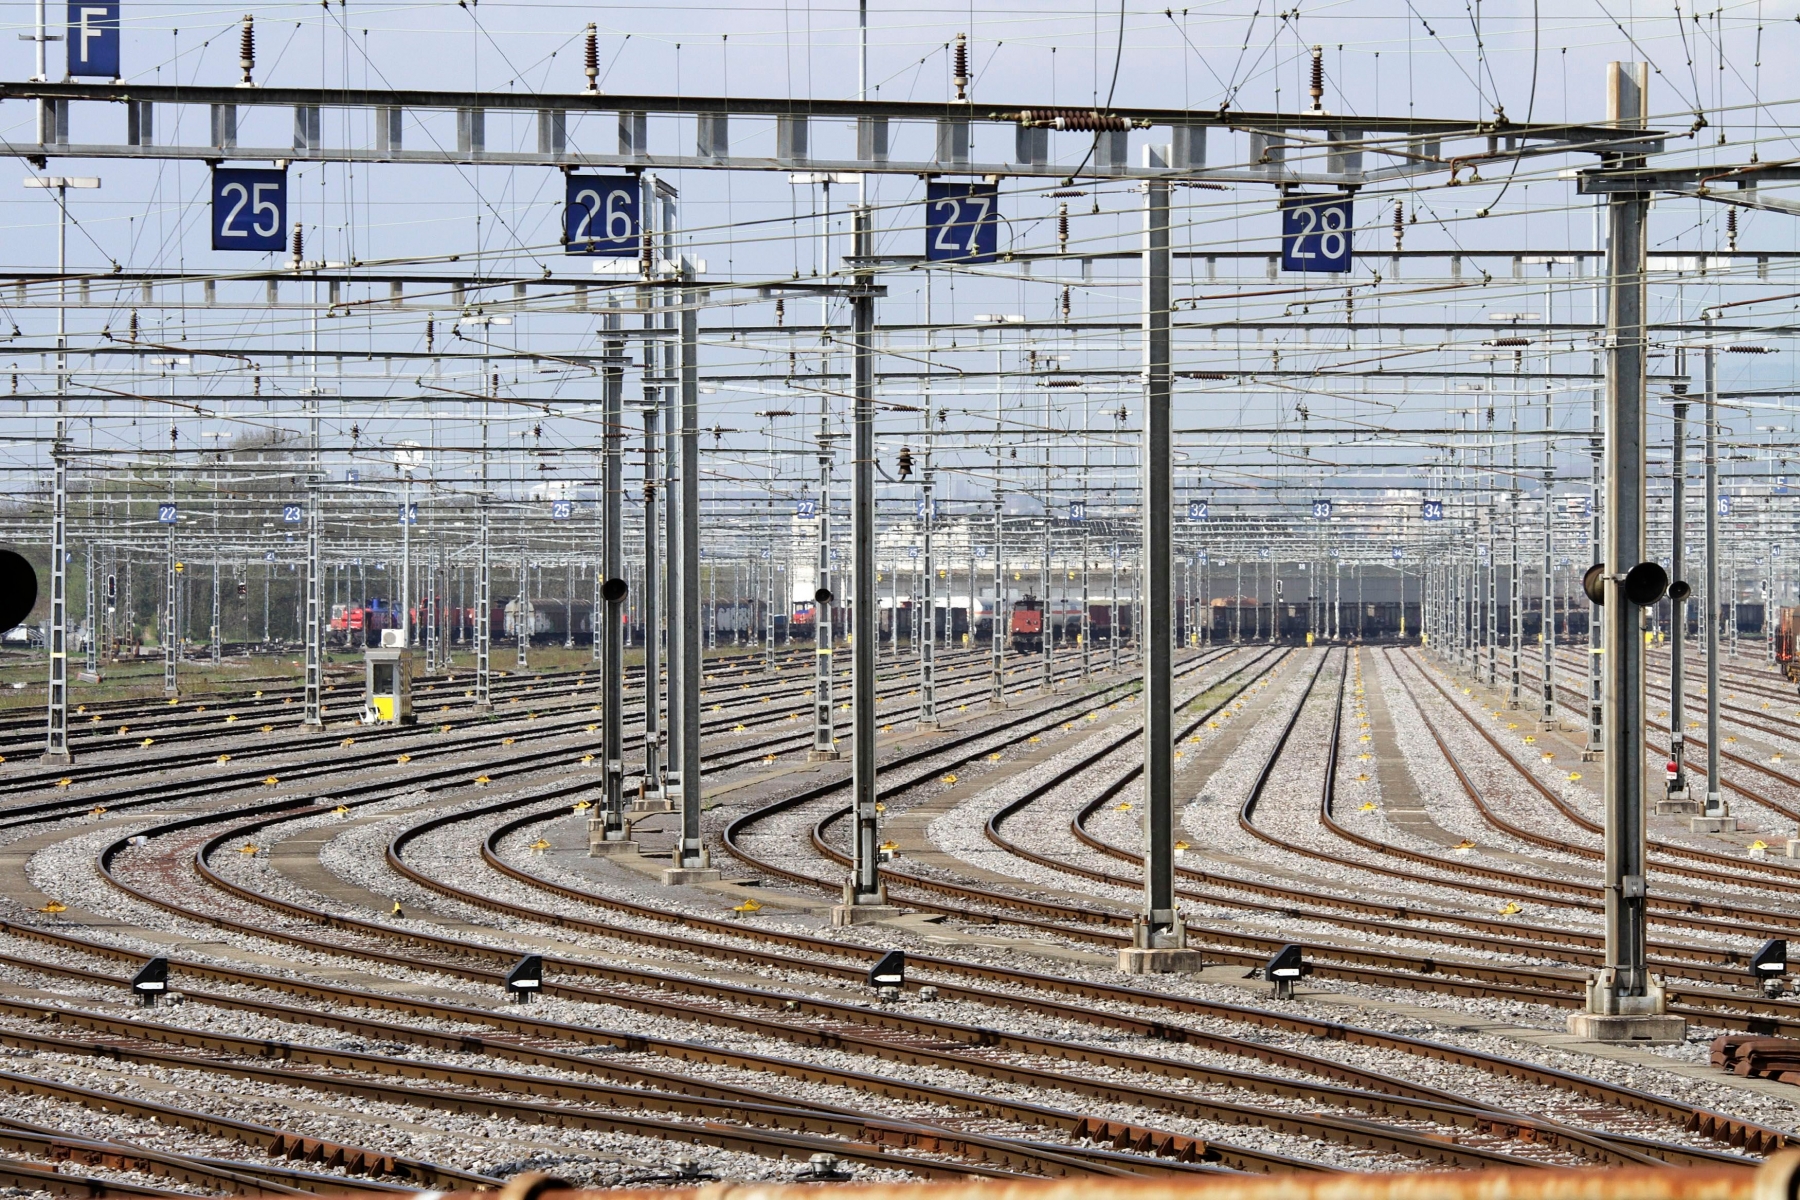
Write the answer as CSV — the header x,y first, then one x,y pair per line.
x,y
249,210
600,216
1315,233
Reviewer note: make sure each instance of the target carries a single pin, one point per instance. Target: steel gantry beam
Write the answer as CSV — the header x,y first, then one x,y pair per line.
x,y
1295,148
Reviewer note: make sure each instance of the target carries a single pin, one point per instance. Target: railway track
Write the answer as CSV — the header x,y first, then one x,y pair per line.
x,y
1066,1104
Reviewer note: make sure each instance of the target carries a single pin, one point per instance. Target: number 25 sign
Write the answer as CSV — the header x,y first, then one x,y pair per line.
x,y
601,216
1315,233
249,210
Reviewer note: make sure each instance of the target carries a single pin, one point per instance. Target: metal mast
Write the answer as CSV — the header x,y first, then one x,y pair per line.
x,y
1158,936
1678,784
1623,1001
864,897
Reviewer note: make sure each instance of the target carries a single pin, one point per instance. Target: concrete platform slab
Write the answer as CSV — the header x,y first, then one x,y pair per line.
x,y
1660,1029
1162,961
864,914
682,876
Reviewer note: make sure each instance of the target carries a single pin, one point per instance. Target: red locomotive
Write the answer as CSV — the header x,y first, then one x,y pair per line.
x,y
1025,624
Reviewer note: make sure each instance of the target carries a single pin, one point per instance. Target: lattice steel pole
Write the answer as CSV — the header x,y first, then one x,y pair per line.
x,y
171,649
56,741
1678,782
1715,800
1515,616
1547,622
484,577
523,617
91,642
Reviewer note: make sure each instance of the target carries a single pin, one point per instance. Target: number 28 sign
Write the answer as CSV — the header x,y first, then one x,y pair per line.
x,y
600,216
249,208
1315,233
962,222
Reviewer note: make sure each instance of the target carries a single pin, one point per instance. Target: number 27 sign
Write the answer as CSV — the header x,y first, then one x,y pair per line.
x,y
962,222
249,210
1315,233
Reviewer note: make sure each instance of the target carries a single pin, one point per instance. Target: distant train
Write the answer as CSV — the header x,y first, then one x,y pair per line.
x,y
360,624
1025,625
547,620
1786,628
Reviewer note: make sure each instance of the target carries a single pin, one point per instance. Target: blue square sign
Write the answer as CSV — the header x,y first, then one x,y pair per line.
x,y
1315,233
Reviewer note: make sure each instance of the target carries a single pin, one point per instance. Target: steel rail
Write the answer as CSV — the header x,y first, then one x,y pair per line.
x,y
274,1142
853,1135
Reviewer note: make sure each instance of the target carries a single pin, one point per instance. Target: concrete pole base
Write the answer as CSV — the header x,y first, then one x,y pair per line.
x,y
89,677
1712,824
1592,755
823,756
1549,725
649,803
863,914
1161,960
676,876
1657,1029
1675,807
60,758
599,847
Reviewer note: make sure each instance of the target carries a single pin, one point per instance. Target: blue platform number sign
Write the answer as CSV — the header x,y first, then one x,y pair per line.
x,y
1315,233
1077,510
600,216
165,514
290,514
912,552
1321,510
919,509
1399,554
94,39
806,510
268,556
1432,510
1199,510
409,514
249,208
1781,485
1724,506
561,510
962,222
